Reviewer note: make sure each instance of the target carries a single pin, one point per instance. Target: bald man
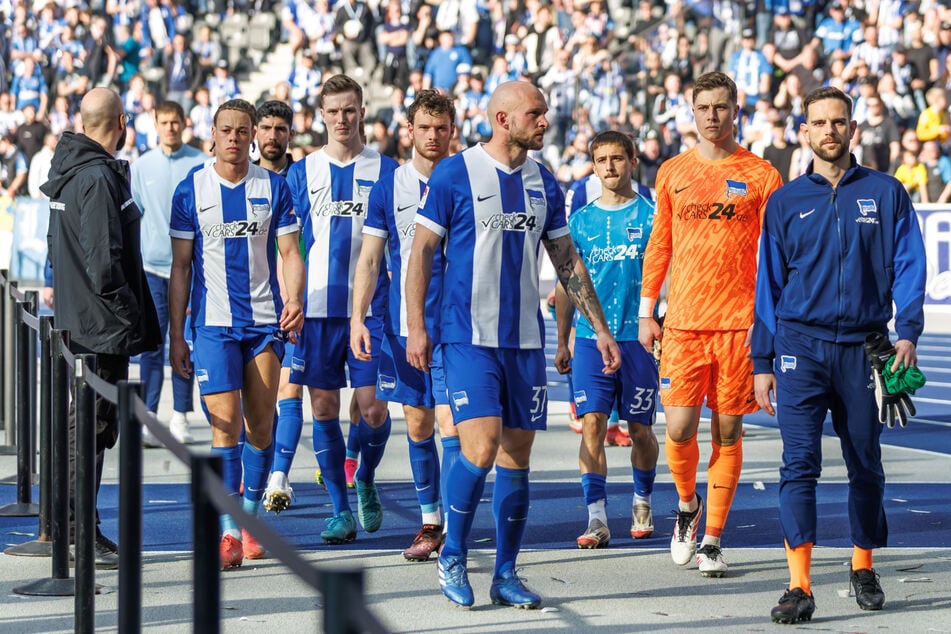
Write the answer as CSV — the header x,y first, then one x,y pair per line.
x,y
487,209
102,296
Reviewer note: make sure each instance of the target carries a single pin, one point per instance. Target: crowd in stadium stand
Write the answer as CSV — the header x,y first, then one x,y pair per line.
x,y
633,74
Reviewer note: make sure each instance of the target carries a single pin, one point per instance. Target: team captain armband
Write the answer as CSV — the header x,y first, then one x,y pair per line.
x,y
646,308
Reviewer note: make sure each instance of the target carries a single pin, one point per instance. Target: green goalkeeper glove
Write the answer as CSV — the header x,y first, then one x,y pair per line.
x,y
892,405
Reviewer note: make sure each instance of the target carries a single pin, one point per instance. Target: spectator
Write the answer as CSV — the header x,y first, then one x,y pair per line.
x,y
837,33
779,153
70,81
100,61
40,166
14,168
10,117
29,88
158,29
59,118
305,81
353,27
182,75
128,50
201,116
939,172
933,122
207,50
543,42
23,46
913,175
879,138
29,134
459,16
473,106
393,37
221,86
441,66
750,70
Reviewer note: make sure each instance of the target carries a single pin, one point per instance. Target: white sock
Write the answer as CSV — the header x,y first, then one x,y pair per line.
x,y
710,540
641,500
434,518
596,512
179,417
688,507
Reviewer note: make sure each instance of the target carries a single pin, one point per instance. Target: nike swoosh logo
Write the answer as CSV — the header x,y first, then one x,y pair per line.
x,y
720,486
321,451
406,207
515,519
382,444
534,418
314,192
288,452
803,214
480,197
680,189
204,209
253,490
592,238
453,508
428,486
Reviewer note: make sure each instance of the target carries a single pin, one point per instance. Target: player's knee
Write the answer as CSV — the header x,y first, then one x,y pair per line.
x,y
375,414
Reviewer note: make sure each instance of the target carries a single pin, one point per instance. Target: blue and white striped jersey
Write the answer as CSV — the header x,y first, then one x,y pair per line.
x,y
492,219
611,241
332,199
392,216
589,188
234,227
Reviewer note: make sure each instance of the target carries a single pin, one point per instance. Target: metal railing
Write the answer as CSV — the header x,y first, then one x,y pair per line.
x,y
343,590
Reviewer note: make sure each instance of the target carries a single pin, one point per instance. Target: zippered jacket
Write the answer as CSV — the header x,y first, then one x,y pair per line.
x,y
835,260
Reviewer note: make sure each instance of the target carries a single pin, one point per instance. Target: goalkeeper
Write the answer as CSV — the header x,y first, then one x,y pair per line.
x,y
840,246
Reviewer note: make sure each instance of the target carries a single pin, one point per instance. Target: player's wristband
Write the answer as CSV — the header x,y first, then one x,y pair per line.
x,y
646,308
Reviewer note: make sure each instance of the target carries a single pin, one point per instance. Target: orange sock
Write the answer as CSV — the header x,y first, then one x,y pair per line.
x,y
861,558
723,473
682,460
800,561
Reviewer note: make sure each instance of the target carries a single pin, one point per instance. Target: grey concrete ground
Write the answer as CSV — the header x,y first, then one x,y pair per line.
x,y
613,590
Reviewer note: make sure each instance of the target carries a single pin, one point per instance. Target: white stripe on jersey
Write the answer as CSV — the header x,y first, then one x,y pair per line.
x,y
405,203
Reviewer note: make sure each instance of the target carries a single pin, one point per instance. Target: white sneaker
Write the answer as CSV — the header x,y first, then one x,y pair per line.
x,y
683,543
149,440
180,428
278,493
710,561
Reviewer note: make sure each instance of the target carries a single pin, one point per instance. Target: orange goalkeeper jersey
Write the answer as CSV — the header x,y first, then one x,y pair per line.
x,y
707,227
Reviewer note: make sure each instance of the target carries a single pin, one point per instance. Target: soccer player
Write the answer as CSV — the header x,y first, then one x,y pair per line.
x,y
331,187
225,219
710,202
610,234
841,246
391,221
489,207
154,178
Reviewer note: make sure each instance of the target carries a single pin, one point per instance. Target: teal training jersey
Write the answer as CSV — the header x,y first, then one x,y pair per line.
x,y
611,241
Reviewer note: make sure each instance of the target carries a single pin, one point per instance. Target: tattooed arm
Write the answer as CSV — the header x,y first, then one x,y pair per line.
x,y
573,275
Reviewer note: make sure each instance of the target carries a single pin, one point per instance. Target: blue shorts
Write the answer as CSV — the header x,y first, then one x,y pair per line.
x,y
399,382
504,382
220,354
437,373
322,356
632,389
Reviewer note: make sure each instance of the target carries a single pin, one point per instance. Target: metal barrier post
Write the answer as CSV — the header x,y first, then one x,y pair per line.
x,y
42,546
59,584
84,520
343,599
9,312
24,506
206,580
130,511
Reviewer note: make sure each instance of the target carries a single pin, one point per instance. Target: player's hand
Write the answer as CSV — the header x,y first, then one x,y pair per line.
x,y
891,406
419,349
47,296
648,331
610,353
292,317
360,342
179,357
763,386
563,359
905,352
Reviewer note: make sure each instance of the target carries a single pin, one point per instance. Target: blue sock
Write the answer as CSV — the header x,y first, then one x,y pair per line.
x,y
644,481
290,423
372,444
465,486
231,476
242,438
592,484
424,461
329,450
257,464
450,453
353,440
510,506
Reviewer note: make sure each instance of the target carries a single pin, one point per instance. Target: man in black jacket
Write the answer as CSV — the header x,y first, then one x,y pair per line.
x,y
102,297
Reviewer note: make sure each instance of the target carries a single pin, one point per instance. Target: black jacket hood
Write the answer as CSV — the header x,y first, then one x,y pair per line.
x,y
73,153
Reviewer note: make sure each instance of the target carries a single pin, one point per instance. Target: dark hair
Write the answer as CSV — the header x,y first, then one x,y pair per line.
x,y
434,103
170,107
827,92
339,84
237,104
275,108
612,137
713,80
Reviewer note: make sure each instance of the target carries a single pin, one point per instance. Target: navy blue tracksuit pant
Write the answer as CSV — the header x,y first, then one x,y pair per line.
x,y
814,377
